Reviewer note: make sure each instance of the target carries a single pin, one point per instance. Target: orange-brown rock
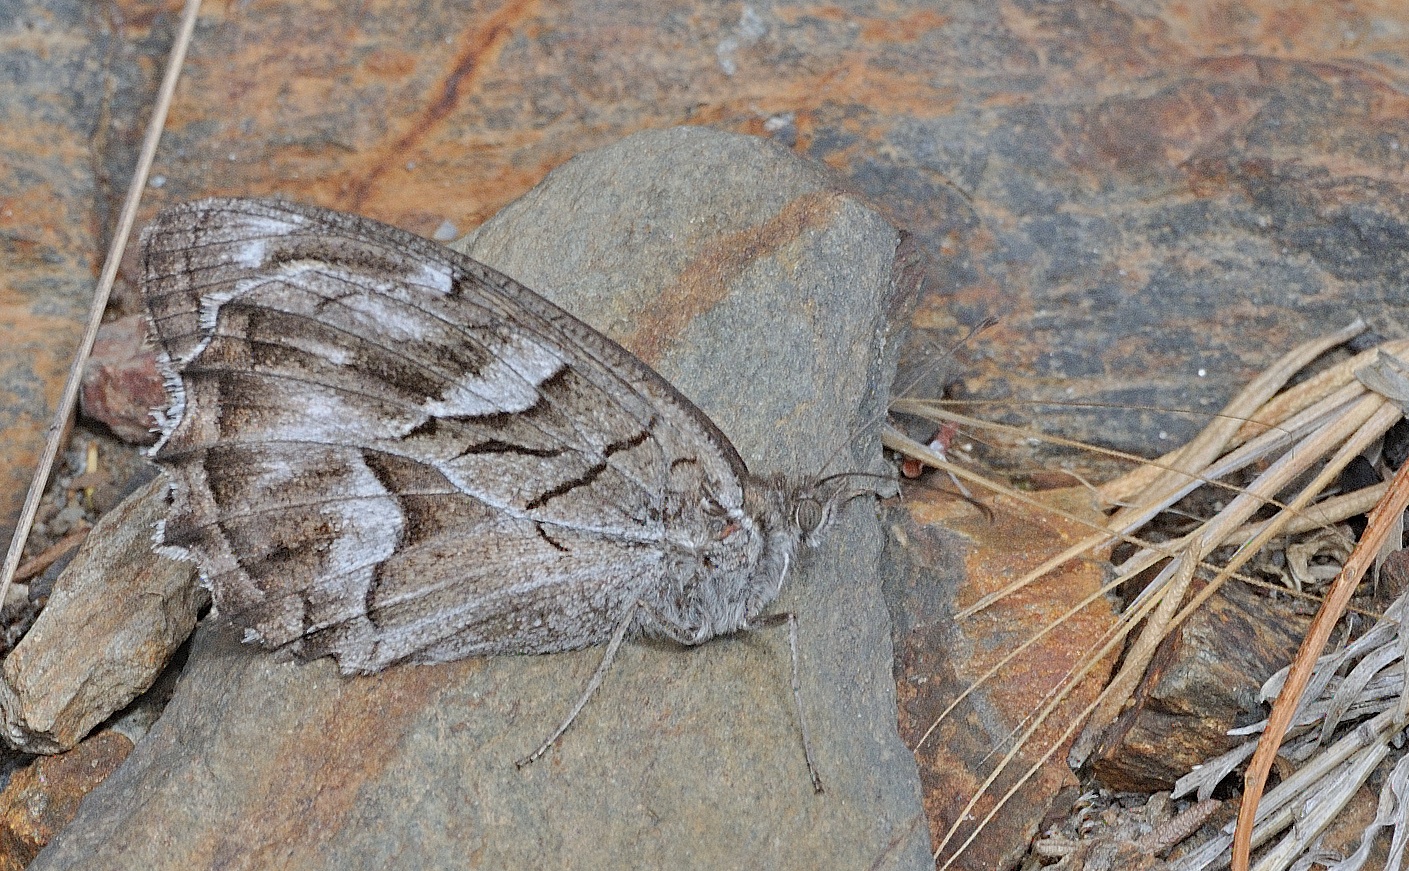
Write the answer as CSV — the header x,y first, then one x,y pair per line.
x,y
42,797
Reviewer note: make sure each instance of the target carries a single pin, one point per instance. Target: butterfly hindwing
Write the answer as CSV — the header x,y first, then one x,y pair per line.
x,y
383,450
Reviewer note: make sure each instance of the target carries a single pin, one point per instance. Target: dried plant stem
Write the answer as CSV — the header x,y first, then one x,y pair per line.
x,y
898,441
1144,647
1315,426
1170,550
1013,654
1320,429
1237,415
1324,423
1003,801
1354,428
1322,514
64,410
1372,428
1111,643
1108,644
1307,392
1353,431
1382,520
52,554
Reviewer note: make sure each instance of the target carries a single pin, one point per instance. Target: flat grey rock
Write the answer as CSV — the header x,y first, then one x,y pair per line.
x,y
764,293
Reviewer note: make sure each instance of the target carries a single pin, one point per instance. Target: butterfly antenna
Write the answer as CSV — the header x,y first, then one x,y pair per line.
x,y
860,491
924,372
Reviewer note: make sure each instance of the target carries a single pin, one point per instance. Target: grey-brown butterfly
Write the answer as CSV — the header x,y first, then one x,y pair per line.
x,y
384,451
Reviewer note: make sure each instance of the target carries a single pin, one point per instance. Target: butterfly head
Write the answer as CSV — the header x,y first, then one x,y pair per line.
x,y
816,503
763,534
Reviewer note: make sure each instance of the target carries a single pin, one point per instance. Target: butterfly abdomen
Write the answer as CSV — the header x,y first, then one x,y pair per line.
x,y
384,451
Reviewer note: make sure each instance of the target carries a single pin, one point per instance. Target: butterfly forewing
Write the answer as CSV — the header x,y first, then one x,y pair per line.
x,y
381,449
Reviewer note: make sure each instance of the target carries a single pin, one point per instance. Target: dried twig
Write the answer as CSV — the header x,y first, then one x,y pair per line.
x,y
52,554
1300,432
63,411
1382,520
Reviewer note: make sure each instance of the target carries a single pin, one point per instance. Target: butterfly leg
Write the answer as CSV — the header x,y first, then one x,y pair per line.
x,y
612,647
790,619
671,629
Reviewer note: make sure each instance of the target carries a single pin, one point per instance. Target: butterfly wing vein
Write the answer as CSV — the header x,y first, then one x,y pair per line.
x,y
383,450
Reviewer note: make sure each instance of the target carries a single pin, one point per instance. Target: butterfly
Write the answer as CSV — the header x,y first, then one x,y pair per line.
x,y
384,451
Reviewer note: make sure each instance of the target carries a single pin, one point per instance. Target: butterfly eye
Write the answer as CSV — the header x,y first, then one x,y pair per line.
x,y
808,515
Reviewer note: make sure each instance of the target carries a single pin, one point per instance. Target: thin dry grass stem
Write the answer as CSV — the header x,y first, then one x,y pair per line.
x,y
1007,796
64,410
1302,801
1113,696
1255,407
1213,441
898,441
1119,632
1132,517
1337,409
1116,633
903,444
52,554
1309,820
1376,426
1212,535
1217,530
1143,650
1354,433
1259,428
1323,383
942,410
1107,645
1076,551
1383,519
1117,493
1112,494
1325,513
1105,495
1176,486
1110,642
1123,490
1320,425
